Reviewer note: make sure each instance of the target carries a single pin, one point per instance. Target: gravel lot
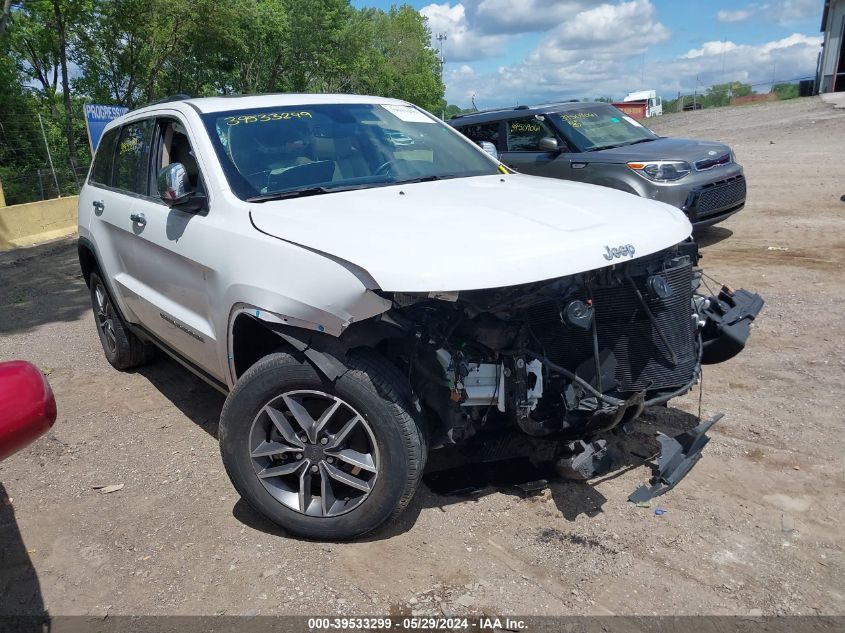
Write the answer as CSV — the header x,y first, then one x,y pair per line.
x,y
755,528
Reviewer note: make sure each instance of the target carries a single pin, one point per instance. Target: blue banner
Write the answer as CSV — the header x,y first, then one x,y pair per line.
x,y
97,117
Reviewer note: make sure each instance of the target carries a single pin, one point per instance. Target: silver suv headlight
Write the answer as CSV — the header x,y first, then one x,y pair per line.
x,y
662,170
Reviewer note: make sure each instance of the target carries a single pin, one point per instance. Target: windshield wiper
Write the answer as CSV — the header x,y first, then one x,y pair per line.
x,y
316,191
302,193
601,147
427,179
615,145
643,140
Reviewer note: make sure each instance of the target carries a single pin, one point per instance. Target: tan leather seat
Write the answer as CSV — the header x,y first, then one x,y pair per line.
x,y
349,163
180,152
349,160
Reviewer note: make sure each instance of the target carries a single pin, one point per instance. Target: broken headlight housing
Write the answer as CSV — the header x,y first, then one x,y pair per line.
x,y
662,170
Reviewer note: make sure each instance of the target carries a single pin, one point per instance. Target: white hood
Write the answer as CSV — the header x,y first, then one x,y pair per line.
x,y
473,233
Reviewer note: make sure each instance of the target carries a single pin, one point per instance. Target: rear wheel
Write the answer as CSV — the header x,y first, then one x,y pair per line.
x,y
320,459
123,349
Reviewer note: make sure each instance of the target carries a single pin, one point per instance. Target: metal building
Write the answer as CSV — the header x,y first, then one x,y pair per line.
x,y
831,71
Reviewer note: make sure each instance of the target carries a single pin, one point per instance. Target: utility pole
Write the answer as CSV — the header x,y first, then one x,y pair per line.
x,y
441,37
50,157
695,94
2,196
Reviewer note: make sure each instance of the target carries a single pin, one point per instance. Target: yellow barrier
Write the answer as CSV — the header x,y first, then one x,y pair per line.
x,y
37,222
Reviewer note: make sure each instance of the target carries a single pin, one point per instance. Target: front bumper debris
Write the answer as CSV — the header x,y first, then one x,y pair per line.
x,y
677,457
728,324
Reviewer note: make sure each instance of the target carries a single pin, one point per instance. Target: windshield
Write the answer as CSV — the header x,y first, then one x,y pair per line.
x,y
599,127
288,151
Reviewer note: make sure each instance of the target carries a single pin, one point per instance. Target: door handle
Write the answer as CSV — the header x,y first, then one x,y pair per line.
x,y
138,218
98,205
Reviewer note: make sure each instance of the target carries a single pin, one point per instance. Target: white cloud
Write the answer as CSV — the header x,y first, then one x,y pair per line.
x,y
607,32
786,59
522,16
709,48
612,74
593,53
591,48
463,43
780,11
480,29
787,11
741,15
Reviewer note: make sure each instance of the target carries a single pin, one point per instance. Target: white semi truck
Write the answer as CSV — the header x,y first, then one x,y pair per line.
x,y
653,102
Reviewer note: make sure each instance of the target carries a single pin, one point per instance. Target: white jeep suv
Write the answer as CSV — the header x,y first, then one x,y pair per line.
x,y
367,285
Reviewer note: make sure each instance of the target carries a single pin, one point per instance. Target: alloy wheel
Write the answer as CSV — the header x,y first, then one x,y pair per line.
x,y
105,317
314,453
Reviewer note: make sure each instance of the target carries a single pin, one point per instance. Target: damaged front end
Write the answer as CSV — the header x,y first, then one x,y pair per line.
x,y
570,359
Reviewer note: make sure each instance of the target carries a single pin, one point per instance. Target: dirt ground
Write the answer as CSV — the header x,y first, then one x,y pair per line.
x,y
755,528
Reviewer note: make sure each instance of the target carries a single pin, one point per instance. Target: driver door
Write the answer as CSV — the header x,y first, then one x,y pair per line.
x,y
522,151
172,253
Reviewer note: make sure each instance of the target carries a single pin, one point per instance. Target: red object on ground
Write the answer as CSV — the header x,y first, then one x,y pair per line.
x,y
634,109
27,406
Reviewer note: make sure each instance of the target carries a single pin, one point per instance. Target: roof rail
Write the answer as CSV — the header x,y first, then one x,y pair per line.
x,y
488,110
179,97
519,107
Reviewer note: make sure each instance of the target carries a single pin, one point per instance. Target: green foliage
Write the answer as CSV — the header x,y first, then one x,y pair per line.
x,y
450,111
786,91
716,96
131,52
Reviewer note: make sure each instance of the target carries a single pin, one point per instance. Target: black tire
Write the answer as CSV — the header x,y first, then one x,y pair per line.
x,y
122,348
375,389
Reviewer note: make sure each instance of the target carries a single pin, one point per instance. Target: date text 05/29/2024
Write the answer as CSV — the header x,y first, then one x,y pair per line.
x,y
484,623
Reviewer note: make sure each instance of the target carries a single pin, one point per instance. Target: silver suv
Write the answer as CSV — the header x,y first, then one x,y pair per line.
x,y
598,144
365,284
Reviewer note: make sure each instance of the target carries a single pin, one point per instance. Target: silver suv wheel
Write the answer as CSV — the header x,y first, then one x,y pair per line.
x,y
105,317
314,453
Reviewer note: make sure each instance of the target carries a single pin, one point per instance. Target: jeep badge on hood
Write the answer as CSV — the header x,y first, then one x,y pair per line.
x,y
626,250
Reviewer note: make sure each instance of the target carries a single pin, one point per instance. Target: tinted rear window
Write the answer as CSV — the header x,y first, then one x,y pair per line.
x,y
103,162
132,159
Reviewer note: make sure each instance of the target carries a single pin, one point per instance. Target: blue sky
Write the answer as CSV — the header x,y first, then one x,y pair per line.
x,y
517,51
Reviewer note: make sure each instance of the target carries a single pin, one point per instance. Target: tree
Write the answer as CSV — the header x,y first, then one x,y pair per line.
x,y
5,15
41,37
398,59
131,52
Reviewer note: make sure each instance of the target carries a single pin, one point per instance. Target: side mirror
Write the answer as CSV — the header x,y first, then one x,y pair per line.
x,y
174,188
488,147
548,144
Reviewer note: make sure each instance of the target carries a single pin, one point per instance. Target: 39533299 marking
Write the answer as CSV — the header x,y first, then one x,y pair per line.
x,y
376,623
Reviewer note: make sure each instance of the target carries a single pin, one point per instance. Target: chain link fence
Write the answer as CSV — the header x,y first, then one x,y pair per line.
x,y
43,184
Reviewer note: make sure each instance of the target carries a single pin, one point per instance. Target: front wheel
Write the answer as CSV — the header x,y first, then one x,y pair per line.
x,y
322,460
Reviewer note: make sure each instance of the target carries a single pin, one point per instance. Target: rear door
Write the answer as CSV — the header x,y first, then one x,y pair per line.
x,y
522,151
113,190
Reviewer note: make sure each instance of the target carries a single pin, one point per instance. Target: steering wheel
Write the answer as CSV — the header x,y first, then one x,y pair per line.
x,y
258,179
385,169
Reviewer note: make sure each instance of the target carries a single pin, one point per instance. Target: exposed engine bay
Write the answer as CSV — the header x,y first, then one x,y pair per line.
x,y
569,358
